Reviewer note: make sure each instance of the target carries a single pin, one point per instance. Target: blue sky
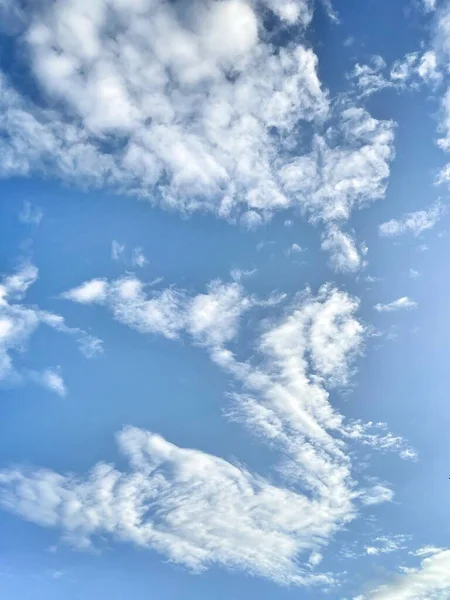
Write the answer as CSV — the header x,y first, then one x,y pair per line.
x,y
223,300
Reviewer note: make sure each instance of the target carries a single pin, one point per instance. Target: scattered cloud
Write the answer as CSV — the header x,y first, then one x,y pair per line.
x,y
413,274
18,322
403,303
414,222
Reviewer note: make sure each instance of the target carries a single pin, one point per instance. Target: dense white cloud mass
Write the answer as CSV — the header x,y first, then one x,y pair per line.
x,y
415,222
399,304
199,509
429,581
18,322
189,105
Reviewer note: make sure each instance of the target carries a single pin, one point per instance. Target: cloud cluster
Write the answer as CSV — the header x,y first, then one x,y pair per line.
x,y
198,509
191,105
17,324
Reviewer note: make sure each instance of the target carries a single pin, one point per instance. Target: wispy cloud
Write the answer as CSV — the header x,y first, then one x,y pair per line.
x,y
30,214
415,222
403,303
19,321
204,510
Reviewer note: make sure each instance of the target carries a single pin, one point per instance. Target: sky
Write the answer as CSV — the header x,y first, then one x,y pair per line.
x,y
224,313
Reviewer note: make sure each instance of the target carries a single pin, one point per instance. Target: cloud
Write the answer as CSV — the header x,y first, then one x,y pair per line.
x,y
138,259
413,274
18,322
52,380
403,303
192,106
415,222
31,215
117,250
344,256
369,78
210,318
89,292
198,509
386,544
429,581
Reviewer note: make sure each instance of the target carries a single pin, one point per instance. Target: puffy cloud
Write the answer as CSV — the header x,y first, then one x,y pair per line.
x,y
403,303
415,222
18,322
189,105
429,581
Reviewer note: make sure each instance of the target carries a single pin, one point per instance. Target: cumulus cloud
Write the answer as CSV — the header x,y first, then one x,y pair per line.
x,y
429,581
189,105
18,322
403,303
414,222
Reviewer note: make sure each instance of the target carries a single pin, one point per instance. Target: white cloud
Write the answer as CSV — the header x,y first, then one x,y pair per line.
x,y
369,78
429,581
386,544
117,250
344,255
203,509
403,303
89,292
413,274
197,509
18,322
52,380
415,222
296,249
30,214
138,258
199,109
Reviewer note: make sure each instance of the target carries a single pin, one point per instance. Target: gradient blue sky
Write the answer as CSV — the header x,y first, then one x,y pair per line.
x,y
224,299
